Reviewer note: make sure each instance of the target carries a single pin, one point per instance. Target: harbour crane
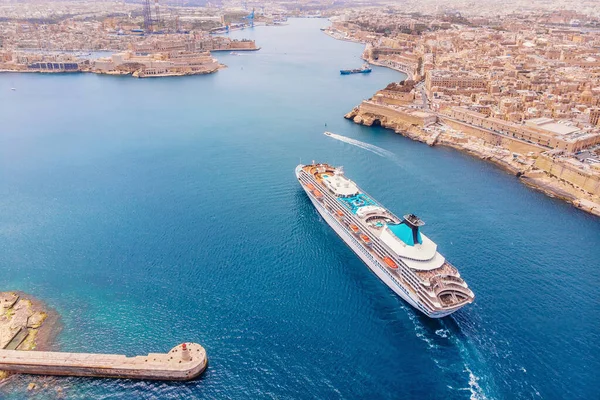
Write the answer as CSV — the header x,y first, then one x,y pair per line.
x,y
250,18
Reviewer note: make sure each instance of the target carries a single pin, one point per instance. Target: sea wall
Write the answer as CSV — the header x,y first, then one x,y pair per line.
x,y
493,138
393,118
569,173
526,160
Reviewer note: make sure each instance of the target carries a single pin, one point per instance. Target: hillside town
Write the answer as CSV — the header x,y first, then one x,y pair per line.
x,y
519,86
139,39
523,91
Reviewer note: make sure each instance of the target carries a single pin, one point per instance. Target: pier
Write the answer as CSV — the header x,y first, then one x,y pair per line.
x,y
183,363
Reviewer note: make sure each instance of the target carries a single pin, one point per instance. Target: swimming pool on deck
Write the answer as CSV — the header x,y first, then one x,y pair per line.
x,y
355,202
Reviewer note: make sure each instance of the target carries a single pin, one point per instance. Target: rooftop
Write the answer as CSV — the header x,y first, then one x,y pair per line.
x,y
548,124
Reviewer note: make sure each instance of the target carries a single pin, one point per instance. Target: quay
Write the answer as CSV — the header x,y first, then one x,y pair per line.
x,y
183,363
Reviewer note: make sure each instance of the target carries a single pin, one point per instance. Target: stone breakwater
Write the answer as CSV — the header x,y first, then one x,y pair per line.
x,y
509,156
183,363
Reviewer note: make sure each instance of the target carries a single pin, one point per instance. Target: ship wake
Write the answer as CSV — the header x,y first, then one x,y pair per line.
x,y
468,360
365,146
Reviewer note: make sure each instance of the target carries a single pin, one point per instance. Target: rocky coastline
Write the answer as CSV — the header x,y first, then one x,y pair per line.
x,y
524,169
26,323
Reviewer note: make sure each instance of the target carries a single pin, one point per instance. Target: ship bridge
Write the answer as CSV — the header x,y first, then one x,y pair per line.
x,y
340,185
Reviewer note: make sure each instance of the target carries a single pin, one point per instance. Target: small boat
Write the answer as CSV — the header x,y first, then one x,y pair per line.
x,y
390,263
318,194
365,69
365,239
13,89
339,213
233,53
354,228
310,186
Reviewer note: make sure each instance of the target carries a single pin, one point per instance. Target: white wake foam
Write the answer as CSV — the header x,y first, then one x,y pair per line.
x,y
474,386
476,390
442,333
365,146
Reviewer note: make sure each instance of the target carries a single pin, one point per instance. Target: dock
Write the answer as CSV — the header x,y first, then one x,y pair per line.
x,y
184,362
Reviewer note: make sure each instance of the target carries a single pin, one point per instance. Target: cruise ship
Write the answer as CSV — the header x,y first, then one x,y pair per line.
x,y
394,248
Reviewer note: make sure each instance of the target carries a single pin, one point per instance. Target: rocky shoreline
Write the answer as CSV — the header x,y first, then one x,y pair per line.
x,y
26,323
525,171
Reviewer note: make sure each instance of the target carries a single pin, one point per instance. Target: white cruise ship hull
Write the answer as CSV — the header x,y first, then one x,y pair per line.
x,y
374,265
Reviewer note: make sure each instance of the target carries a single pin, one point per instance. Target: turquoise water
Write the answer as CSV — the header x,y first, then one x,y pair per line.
x,y
151,212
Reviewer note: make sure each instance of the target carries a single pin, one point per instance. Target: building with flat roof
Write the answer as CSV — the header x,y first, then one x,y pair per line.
x,y
440,80
545,132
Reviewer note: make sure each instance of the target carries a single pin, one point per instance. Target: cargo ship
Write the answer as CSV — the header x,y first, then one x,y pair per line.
x,y
365,69
393,248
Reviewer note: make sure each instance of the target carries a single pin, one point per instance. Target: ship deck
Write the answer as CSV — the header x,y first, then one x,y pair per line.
x,y
436,284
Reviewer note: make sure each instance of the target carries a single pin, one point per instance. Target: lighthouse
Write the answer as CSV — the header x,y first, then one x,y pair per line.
x,y
185,353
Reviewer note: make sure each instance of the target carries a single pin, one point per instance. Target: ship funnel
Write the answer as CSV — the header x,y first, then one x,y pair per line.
x,y
414,223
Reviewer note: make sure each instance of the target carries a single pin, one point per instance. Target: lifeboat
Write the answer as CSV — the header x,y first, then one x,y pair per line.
x,y
354,228
318,194
365,239
339,213
390,263
310,186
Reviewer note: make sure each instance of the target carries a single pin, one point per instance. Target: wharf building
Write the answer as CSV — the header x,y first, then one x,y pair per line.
x,y
217,43
396,58
195,43
545,132
35,62
158,64
49,66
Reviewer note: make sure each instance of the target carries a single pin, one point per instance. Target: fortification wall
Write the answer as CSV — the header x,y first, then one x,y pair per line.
x,y
570,173
394,116
496,139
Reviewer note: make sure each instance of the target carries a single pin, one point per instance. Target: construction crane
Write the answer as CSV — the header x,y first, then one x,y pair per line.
x,y
250,18
148,23
151,24
157,11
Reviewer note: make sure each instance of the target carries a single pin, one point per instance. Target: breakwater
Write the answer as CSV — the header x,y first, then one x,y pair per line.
x,y
184,362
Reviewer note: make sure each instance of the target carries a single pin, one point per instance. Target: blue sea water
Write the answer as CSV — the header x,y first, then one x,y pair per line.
x,y
152,212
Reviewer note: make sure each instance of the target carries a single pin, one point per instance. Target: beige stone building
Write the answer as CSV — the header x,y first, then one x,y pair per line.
x,y
439,80
541,131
